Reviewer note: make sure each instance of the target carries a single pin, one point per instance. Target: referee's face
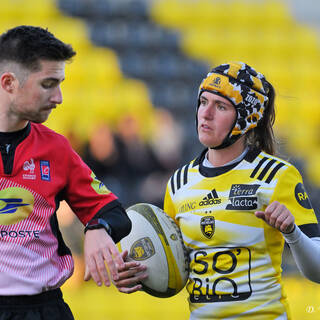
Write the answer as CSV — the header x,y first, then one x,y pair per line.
x,y
35,97
216,116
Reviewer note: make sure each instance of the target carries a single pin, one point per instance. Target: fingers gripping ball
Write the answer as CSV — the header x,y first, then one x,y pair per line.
x,y
156,241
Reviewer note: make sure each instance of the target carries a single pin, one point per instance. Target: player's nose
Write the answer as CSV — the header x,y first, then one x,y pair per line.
x,y
57,96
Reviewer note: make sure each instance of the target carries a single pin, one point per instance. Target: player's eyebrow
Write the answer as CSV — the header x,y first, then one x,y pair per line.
x,y
203,98
53,79
218,101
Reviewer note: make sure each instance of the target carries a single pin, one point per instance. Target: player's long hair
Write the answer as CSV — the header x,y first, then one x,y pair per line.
x,y
262,136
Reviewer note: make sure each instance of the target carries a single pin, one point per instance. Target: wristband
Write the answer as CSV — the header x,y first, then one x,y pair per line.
x,y
97,224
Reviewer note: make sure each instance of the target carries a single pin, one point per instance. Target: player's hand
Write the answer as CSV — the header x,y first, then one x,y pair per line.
x,y
131,275
101,252
277,216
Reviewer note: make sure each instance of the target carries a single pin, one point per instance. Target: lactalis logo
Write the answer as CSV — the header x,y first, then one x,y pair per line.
x,y
16,204
241,197
210,199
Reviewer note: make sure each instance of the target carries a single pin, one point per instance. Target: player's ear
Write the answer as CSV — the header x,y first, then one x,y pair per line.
x,y
8,81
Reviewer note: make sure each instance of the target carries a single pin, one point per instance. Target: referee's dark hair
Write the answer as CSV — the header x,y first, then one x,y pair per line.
x,y
27,45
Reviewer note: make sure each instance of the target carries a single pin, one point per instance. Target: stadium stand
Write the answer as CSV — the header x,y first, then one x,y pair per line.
x,y
169,44
146,51
94,78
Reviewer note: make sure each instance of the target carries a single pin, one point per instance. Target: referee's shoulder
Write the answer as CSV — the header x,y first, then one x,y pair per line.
x,y
48,134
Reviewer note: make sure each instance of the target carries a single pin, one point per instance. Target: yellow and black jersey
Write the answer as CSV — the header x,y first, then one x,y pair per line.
x,y
235,258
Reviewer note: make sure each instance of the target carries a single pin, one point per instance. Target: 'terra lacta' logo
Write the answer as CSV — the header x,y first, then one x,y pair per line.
x,y
16,204
241,197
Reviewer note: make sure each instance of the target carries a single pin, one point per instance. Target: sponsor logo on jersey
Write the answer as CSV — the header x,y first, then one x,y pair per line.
x,y
187,206
221,274
29,167
142,249
207,226
16,204
45,170
302,196
241,197
10,205
20,234
210,199
98,186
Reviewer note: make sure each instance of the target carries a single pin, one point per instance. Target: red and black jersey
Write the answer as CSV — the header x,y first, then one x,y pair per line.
x,y
38,170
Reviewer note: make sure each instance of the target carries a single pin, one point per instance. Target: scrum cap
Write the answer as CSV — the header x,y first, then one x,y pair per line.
x,y
245,88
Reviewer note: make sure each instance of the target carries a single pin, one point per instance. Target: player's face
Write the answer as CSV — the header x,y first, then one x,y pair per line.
x,y
34,99
216,116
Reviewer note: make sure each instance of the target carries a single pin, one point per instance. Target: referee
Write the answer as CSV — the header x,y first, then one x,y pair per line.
x,y
38,169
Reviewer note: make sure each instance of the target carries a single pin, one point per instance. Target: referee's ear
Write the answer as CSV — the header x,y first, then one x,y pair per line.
x,y
8,82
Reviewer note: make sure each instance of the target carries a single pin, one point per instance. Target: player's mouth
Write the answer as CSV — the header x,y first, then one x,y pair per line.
x,y
205,127
49,107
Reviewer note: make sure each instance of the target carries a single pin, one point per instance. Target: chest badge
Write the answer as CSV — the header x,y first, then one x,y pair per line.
x,y
28,167
207,225
45,170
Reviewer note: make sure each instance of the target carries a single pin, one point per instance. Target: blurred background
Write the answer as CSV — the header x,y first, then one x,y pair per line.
x,y
129,107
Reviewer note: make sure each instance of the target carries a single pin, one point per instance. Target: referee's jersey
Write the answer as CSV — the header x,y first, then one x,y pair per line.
x,y
38,170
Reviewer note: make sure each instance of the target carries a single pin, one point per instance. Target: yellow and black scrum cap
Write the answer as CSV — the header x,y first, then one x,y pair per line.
x,y
245,88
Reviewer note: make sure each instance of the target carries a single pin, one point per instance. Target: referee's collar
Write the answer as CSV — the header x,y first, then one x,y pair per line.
x,y
15,137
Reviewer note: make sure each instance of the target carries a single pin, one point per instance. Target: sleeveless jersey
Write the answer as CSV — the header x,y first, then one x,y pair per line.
x,y
235,257
42,170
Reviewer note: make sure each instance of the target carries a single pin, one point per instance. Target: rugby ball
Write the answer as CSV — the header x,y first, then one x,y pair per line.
x,y
156,241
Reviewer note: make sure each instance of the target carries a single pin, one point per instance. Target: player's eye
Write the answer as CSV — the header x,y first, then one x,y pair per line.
x,y
203,102
48,84
221,107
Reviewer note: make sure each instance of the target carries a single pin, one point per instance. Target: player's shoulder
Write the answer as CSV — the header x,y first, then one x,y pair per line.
x,y
42,132
266,167
182,175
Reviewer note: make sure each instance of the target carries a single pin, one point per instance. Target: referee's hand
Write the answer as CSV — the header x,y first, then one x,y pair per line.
x,y
100,254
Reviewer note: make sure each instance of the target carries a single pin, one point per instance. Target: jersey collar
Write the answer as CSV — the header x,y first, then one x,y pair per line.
x,y
214,172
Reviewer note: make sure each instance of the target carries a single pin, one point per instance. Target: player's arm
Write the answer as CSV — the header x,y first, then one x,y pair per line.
x,y
306,253
106,228
90,199
99,246
305,250
290,207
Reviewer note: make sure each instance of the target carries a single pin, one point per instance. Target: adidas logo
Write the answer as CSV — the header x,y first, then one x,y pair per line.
x,y
210,199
